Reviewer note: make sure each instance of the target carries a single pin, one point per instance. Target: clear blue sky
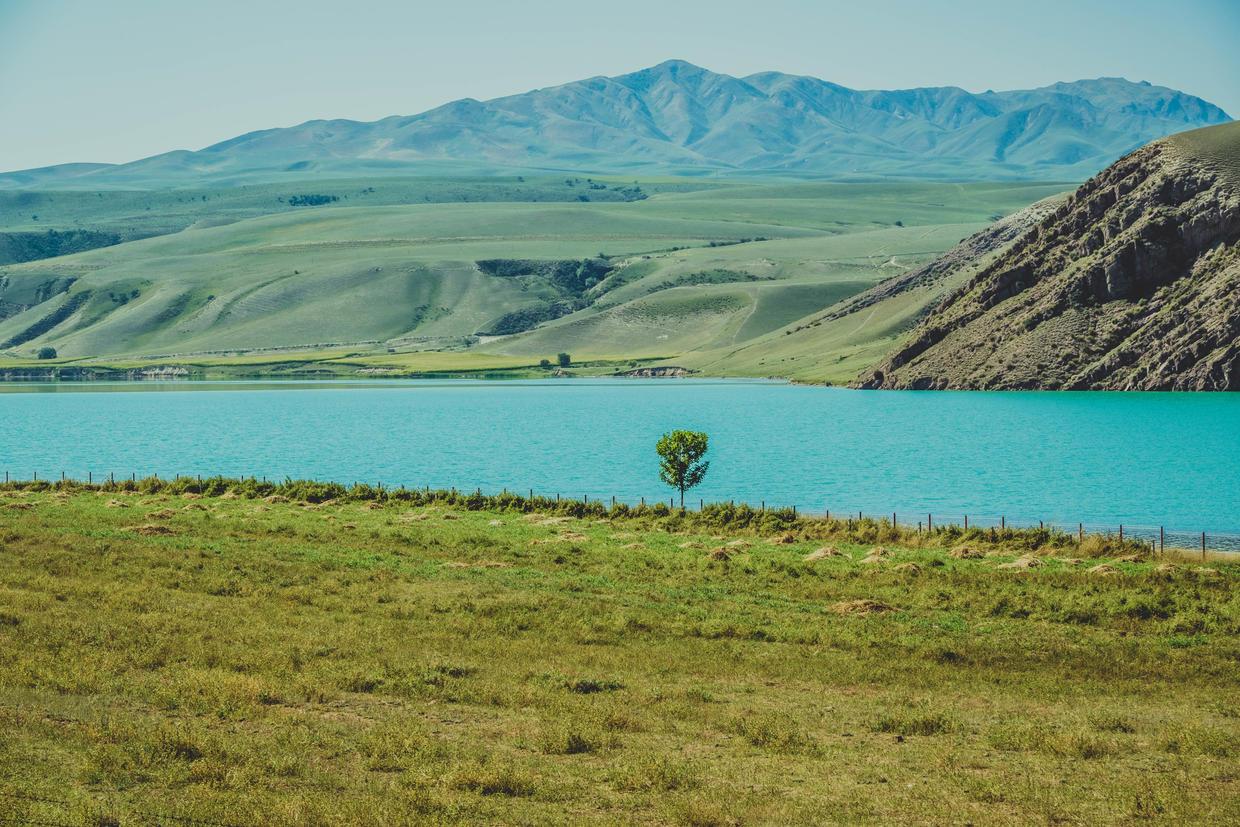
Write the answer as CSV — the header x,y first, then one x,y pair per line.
x,y
88,80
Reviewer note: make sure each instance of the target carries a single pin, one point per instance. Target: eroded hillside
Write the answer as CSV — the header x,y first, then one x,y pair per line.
x,y
1133,283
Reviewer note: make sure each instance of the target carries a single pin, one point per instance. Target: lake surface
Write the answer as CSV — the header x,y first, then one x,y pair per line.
x,y
1100,458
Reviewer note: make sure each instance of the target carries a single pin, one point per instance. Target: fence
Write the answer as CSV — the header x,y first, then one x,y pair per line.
x,y
1159,537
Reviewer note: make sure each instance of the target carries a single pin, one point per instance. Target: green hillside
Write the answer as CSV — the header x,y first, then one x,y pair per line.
x,y
675,272
834,352
768,285
34,223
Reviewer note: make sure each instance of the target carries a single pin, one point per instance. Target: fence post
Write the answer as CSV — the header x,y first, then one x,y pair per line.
x,y
794,512
893,519
1003,523
1121,532
929,523
90,478
1161,539
828,510
1203,546
763,510
966,522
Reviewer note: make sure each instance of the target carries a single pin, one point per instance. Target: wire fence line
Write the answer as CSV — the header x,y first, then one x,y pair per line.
x,y
1158,536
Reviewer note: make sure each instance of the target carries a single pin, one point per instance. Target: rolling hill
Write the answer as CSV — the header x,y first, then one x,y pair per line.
x,y
677,118
842,340
1133,283
674,272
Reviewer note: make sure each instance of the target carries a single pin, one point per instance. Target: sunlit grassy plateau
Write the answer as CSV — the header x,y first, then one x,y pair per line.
x,y
312,655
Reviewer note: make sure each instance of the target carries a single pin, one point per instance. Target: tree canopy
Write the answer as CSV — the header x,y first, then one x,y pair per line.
x,y
680,460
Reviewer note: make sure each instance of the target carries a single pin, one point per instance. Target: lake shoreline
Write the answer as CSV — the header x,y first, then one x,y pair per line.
x,y
1063,459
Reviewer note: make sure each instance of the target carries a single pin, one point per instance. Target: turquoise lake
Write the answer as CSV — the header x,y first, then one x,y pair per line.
x,y
1098,458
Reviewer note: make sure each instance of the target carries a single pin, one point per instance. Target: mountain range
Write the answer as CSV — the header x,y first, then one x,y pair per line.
x,y
677,118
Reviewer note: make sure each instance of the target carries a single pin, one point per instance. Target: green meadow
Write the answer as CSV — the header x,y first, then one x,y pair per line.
x,y
241,653
707,275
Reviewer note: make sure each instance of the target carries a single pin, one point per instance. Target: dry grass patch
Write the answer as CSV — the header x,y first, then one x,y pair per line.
x,y
824,553
863,606
967,553
151,530
1023,563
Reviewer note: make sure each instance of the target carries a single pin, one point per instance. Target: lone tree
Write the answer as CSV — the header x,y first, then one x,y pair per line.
x,y
46,353
680,460
564,360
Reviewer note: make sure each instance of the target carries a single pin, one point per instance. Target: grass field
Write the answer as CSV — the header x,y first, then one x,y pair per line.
x,y
688,271
252,660
139,213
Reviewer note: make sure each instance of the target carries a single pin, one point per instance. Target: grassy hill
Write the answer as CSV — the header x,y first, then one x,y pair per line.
x,y
769,285
838,343
246,659
33,223
680,270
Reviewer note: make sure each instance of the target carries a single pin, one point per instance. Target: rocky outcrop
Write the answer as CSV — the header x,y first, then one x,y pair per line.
x,y
1133,283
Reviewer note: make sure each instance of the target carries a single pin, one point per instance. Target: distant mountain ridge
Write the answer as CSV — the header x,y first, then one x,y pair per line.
x,y
677,118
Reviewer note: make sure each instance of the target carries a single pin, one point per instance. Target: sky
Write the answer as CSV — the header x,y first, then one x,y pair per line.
x,y
84,80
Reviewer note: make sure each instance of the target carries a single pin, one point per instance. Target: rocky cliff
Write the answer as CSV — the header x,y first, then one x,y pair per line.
x,y
1133,283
